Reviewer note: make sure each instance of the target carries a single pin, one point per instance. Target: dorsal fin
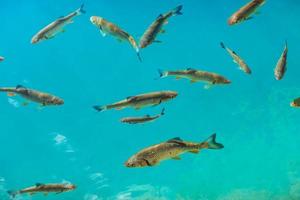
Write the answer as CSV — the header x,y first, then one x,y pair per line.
x,y
147,115
129,97
176,140
39,184
192,69
20,86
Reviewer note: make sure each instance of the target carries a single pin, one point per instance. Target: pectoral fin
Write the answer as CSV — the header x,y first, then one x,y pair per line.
x,y
208,86
25,103
11,94
102,33
177,77
193,81
176,158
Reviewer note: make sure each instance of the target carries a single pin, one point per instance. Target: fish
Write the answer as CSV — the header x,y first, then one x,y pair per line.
x,y
237,59
171,149
156,27
44,188
1,58
42,98
196,76
281,68
245,13
51,30
140,101
109,28
296,103
143,119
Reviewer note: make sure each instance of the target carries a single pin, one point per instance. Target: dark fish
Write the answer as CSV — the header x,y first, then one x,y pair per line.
x,y
143,119
237,59
107,27
44,99
156,27
197,76
1,58
245,12
56,27
140,101
280,68
44,188
170,149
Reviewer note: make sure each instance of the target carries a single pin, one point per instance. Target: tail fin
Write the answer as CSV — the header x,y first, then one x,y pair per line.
x,y
177,10
212,144
162,111
13,194
99,108
138,54
162,74
81,10
222,45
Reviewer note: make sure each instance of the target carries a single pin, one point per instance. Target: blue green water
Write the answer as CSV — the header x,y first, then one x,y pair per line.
x,y
251,116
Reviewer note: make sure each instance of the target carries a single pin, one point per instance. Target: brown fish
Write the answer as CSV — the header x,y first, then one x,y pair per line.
x,y
44,99
1,58
245,12
296,103
237,59
44,188
144,119
140,101
107,27
156,27
197,76
56,27
170,149
281,68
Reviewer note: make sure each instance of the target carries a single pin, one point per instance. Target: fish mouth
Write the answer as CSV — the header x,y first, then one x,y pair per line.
x,y
293,104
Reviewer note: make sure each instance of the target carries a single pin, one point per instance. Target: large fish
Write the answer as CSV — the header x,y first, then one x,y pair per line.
x,y
280,68
170,149
157,27
143,119
245,12
237,59
296,103
140,101
196,76
44,99
44,188
56,27
1,58
109,28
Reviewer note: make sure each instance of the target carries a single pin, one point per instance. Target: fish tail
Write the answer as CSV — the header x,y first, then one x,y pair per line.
x,y
100,108
13,194
177,10
222,45
162,111
81,10
212,144
162,74
138,54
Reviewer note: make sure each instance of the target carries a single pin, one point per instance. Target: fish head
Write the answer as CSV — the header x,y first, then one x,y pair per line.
x,y
221,80
170,95
35,39
295,103
56,101
233,20
70,187
98,21
134,161
143,44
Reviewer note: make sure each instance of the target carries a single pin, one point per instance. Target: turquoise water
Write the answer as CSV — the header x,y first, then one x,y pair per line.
x,y
74,143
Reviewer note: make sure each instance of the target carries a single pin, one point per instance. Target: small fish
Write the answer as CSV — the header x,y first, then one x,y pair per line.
x,y
170,149
107,27
237,59
196,76
56,27
144,119
280,68
245,12
296,103
1,58
140,101
44,188
33,95
157,27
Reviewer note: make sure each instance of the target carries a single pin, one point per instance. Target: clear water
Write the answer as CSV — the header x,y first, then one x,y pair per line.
x,y
251,117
